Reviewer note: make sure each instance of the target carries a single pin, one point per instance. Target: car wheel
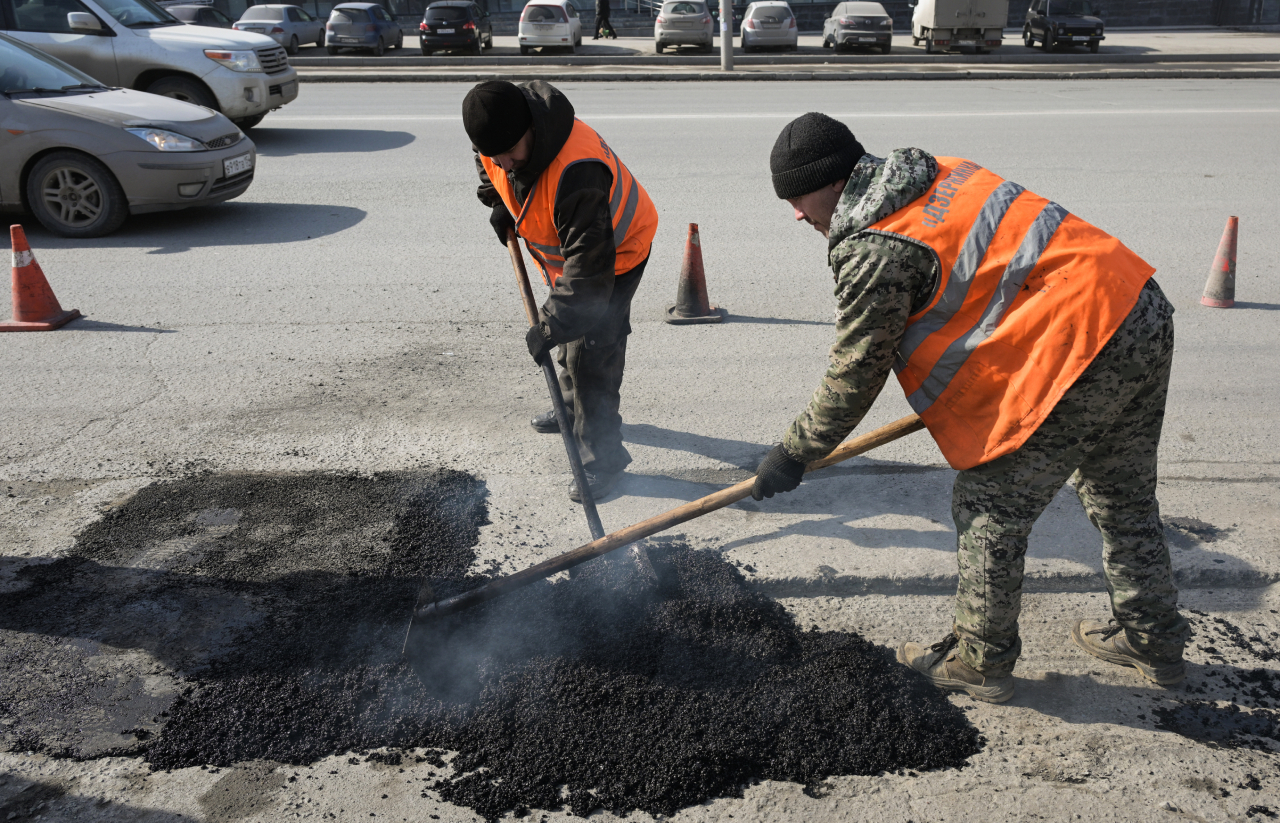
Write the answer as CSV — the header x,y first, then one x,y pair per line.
x,y
524,50
1027,39
886,48
379,49
184,89
320,39
1048,41
572,49
73,195
476,48
426,52
246,123
292,48
400,41
826,44
331,49
1093,46
928,46
488,43
658,47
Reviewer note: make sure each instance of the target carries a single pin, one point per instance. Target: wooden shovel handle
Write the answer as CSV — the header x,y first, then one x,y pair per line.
x,y
657,523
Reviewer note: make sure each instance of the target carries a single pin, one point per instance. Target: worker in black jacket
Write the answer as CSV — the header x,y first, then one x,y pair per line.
x,y
587,224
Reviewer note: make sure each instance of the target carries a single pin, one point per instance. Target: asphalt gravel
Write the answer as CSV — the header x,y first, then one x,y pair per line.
x,y
276,605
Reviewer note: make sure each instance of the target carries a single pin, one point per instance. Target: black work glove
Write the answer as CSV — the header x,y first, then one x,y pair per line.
x,y
538,343
501,220
778,472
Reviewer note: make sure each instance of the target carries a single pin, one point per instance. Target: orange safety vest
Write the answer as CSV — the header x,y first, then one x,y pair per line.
x,y
635,220
1027,296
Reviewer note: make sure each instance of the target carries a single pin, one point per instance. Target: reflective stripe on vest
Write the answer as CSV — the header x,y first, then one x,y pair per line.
x,y
1027,295
635,220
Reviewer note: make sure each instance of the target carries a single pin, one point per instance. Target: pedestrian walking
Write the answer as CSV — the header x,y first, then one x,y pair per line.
x,y
588,224
1035,347
603,29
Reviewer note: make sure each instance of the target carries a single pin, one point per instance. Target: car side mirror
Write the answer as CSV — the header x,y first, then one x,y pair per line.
x,y
83,21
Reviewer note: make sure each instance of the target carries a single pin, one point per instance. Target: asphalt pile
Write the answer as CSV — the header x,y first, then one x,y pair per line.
x,y
605,691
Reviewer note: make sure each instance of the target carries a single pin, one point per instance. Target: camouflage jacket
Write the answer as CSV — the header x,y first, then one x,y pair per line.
x,y
880,282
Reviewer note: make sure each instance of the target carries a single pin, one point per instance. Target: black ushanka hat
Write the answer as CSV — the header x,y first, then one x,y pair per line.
x,y
495,115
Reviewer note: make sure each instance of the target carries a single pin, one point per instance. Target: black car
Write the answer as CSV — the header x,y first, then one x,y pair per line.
x,y
1063,22
455,24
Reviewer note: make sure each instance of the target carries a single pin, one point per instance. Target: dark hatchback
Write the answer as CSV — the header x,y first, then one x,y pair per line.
x,y
1063,23
452,25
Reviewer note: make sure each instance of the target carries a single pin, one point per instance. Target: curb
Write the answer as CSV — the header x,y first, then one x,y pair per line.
x,y
844,586
559,61
624,75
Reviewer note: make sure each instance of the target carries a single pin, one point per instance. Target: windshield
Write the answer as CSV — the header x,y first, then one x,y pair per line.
x,y
138,14
447,14
31,71
349,16
771,13
544,14
1072,8
259,13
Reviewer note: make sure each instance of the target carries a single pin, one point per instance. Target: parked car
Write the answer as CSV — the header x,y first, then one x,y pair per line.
x,y
201,16
138,45
948,24
290,26
455,24
362,26
683,23
767,24
82,157
550,23
1063,22
858,24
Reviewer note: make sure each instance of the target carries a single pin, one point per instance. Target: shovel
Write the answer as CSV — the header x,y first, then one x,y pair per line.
x,y
425,612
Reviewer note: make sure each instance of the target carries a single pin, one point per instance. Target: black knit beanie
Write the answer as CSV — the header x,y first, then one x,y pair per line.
x,y
813,151
495,115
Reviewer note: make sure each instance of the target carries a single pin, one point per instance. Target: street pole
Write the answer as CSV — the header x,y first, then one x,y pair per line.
x,y
726,35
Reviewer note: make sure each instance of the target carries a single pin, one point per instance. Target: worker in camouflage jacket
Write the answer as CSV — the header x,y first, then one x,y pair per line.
x,y
1100,428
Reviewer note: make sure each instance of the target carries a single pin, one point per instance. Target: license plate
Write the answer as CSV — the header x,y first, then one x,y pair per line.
x,y
259,31
966,42
444,31
543,27
866,40
348,39
236,165
1086,37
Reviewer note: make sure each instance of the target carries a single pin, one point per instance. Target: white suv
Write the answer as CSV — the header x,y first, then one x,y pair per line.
x,y
550,23
138,45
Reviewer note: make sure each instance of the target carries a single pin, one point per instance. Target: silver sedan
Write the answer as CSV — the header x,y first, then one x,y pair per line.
x,y
290,26
84,157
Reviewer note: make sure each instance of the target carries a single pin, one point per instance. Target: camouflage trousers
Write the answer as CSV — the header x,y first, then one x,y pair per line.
x,y
1103,435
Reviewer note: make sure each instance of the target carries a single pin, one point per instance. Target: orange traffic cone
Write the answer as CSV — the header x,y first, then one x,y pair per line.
x,y
692,304
1220,291
34,306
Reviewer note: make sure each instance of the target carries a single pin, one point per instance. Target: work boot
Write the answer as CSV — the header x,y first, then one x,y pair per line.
x,y
546,422
599,484
1107,641
941,663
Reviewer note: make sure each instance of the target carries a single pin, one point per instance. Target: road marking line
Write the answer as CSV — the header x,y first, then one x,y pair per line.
x,y
442,118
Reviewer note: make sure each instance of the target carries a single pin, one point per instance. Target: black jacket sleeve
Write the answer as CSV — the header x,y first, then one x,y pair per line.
x,y
581,301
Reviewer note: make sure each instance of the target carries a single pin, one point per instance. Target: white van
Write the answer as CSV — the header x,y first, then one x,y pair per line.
x,y
138,45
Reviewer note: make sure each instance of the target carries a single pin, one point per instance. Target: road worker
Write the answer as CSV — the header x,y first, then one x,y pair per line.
x,y
588,224
1035,347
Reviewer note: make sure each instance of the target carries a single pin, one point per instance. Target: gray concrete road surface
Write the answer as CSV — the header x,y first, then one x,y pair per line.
x,y
353,312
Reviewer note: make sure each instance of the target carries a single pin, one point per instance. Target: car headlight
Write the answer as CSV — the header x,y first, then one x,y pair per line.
x,y
235,60
165,140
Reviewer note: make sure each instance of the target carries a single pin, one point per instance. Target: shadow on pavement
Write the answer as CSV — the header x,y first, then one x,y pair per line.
x,y
50,801
778,321
287,142
226,224
85,324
